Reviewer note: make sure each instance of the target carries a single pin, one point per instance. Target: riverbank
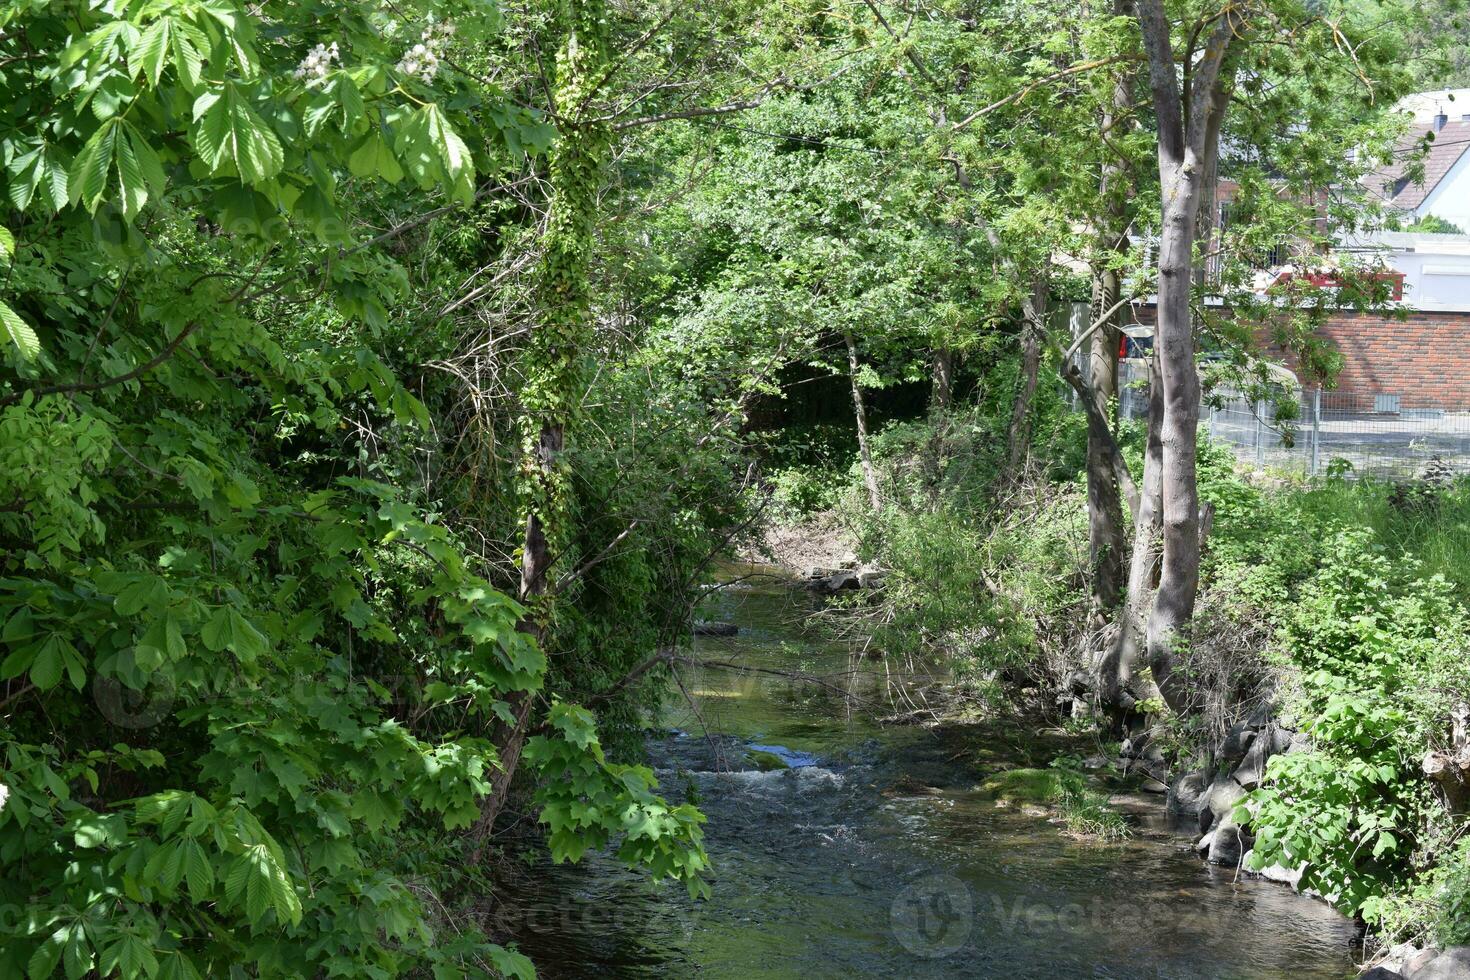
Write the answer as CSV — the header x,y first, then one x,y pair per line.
x,y
1328,652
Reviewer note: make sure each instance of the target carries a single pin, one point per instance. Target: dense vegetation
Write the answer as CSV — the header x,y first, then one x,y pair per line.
x,y
379,383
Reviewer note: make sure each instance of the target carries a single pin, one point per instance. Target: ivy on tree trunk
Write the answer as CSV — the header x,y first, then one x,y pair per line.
x,y
555,375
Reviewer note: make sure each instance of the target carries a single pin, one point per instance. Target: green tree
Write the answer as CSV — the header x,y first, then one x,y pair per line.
x,y
248,670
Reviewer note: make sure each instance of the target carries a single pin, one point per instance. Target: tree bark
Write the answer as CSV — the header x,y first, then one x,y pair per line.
x,y
1188,134
860,415
1106,547
1105,532
941,388
1118,668
1033,328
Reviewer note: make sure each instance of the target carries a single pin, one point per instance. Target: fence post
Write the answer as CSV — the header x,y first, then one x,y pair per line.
x,y
1316,428
1260,434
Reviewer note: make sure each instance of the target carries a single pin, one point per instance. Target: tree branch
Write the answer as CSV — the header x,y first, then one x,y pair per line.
x,y
123,378
1021,93
1154,23
1209,81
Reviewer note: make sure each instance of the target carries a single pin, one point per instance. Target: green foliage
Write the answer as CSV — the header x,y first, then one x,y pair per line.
x,y
1437,910
1434,225
803,490
1024,785
250,669
1063,787
585,800
1378,653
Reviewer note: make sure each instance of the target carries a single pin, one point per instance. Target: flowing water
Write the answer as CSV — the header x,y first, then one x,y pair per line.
x,y
874,855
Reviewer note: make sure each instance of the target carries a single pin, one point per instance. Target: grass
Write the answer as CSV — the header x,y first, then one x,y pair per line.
x,y
1436,532
1085,812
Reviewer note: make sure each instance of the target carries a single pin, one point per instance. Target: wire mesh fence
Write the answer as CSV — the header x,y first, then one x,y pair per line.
x,y
1343,432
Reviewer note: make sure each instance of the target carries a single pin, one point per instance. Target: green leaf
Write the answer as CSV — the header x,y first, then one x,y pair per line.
x,y
511,963
130,179
229,131
131,956
434,153
198,872
375,158
17,662
151,55
177,966
77,958
112,41
88,178
144,592
453,152
227,629
25,173
113,96
46,668
19,333
99,830
47,955
148,162
187,45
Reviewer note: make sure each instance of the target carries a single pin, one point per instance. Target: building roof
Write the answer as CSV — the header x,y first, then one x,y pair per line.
x,y
1391,183
1420,242
1424,106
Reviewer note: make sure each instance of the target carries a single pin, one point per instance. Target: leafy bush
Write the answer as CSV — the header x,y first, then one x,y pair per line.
x,y
1375,654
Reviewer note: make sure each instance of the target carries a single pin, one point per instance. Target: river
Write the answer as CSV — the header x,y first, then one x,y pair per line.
x,y
874,855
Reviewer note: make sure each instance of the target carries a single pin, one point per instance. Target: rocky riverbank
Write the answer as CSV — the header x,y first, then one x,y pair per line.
x,y
1199,799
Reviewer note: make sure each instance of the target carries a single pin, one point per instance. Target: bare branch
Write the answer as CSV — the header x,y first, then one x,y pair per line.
x,y
1021,93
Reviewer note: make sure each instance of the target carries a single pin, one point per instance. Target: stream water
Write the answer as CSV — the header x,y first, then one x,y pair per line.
x,y
874,855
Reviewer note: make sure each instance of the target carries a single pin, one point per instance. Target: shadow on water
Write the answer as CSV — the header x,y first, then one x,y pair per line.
x,y
872,855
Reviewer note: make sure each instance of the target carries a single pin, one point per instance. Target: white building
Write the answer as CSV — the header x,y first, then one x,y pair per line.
x,y
1436,268
1445,190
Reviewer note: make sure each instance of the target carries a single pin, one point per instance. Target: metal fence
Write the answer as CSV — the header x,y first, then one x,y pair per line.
x,y
1334,431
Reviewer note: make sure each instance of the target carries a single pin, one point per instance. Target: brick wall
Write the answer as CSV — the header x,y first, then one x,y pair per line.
x,y
1425,360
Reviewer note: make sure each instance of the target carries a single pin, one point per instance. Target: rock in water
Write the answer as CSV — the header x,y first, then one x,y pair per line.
x,y
702,628
1252,768
1188,793
766,761
1279,874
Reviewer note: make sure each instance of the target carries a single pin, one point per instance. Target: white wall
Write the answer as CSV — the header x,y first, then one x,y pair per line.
x,y
1436,268
1450,198
1434,279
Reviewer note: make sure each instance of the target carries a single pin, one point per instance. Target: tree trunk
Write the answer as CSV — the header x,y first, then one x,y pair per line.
x,y
1189,132
1118,668
1104,502
859,413
1174,339
1106,546
941,388
554,372
1033,327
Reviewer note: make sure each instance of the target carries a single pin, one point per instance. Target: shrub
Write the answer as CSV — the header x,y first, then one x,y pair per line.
x,y
1374,654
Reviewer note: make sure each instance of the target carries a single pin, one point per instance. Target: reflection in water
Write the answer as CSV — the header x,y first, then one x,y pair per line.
x,y
872,856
